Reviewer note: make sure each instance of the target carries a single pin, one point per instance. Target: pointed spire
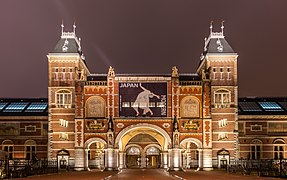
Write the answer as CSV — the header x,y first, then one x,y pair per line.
x,y
210,27
222,26
74,26
62,25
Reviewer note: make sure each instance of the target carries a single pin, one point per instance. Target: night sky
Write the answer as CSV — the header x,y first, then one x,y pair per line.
x,y
143,36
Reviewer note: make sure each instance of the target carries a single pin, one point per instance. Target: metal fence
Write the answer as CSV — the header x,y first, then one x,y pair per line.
x,y
22,168
264,167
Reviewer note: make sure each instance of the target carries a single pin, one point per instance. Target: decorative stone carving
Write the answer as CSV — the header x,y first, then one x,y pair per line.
x,y
111,72
174,71
95,107
190,108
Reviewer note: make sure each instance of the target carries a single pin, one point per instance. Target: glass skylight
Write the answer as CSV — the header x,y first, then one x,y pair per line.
x,y
249,106
2,105
16,107
270,106
36,107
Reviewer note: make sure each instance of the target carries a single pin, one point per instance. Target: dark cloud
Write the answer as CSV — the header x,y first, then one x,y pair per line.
x,y
143,36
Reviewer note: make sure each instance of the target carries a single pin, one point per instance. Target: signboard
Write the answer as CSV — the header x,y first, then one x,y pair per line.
x,y
142,99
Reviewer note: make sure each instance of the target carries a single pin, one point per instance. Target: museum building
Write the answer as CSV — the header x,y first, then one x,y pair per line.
x,y
173,121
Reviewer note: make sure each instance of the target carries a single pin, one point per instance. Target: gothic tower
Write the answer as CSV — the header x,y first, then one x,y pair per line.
x,y
66,67
218,68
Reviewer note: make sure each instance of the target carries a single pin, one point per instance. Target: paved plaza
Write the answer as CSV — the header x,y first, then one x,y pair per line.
x,y
137,174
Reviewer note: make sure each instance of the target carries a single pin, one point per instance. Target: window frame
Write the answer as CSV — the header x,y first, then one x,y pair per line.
x,y
221,103
63,98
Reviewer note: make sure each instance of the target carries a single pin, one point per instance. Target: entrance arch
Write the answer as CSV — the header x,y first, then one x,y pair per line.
x,y
119,143
191,153
94,153
152,134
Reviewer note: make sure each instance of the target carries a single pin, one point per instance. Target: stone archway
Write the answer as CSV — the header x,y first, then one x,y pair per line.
x,y
161,138
94,153
191,153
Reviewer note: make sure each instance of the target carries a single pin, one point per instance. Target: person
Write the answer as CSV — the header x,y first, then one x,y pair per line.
x,y
142,101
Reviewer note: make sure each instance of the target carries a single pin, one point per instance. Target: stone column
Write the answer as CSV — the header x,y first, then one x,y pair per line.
x,y
109,159
200,158
121,159
207,159
79,159
86,160
143,161
165,159
176,159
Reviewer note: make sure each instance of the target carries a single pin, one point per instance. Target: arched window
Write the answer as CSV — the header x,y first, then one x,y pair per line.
x,y
190,107
95,107
8,146
152,151
133,151
278,149
30,150
222,98
64,99
255,149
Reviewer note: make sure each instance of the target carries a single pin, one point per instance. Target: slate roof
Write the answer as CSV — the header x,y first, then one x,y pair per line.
x,y
262,106
23,107
67,45
213,46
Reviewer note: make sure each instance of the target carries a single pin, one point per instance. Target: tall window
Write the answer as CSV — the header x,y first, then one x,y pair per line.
x,y
214,73
64,99
8,146
228,73
221,73
278,149
222,98
30,149
255,149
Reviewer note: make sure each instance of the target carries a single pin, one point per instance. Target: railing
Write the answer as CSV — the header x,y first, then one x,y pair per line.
x,y
22,168
264,167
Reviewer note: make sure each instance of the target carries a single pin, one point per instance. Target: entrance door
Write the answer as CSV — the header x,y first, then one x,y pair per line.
x,y
153,161
63,159
223,158
133,158
153,157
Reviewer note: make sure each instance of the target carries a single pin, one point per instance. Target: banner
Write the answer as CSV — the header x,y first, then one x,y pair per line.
x,y
142,99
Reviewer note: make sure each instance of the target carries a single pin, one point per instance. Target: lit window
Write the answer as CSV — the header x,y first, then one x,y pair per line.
x,y
16,107
159,104
214,73
126,104
64,99
151,104
228,74
222,99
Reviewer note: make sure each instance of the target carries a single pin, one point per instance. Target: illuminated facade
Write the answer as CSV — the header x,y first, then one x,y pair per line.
x,y
116,121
